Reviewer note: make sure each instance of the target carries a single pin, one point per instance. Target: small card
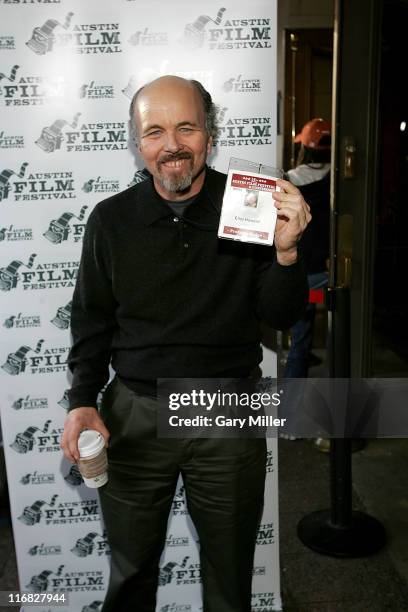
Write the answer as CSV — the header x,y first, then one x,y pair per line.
x,y
248,213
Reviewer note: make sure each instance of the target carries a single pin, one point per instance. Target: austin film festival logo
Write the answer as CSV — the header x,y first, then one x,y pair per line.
x,y
45,550
179,502
109,136
240,85
175,541
59,229
17,362
63,316
36,185
74,476
13,234
270,464
17,89
96,91
36,478
214,32
7,43
52,136
44,361
57,581
45,439
49,275
101,185
180,573
262,602
30,403
95,606
92,543
148,38
32,514
81,38
64,401
21,321
5,178
9,141
240,131
265,535
62,513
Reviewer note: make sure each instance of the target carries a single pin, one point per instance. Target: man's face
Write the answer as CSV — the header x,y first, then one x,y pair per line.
x,y
251,200
173,141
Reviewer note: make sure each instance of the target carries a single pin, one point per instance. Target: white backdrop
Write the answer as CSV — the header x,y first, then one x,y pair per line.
x,y
68,69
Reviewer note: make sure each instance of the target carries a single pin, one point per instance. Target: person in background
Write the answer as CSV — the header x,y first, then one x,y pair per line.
x,y
312,178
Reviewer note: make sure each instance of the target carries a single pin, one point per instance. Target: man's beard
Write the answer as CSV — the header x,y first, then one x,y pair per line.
x,y
177,182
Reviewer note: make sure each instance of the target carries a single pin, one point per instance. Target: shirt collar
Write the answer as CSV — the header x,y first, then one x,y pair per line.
x,y
203,212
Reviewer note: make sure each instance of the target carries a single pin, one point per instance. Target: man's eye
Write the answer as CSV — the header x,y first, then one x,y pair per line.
x,y
154,133
186,129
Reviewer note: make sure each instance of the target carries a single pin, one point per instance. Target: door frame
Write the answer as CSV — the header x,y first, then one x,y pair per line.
x,y
355,114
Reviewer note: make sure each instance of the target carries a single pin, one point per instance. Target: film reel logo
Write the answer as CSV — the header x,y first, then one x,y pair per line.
x,y
43,38
13,74
95,606
25,440
40,582
167,571
73,477
194,33
63,316
32,514
5,177
51,136
86,546
16,362
59,229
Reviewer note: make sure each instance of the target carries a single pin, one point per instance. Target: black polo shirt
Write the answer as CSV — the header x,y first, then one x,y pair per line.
x,y
161,295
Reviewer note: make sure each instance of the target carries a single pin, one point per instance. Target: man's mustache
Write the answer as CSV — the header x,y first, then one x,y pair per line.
x,y
174,157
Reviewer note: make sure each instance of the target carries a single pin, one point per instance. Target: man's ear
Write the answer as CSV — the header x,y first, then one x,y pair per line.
x,y
209,145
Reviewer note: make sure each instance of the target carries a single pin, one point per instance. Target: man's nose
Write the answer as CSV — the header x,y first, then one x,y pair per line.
x,y
172,143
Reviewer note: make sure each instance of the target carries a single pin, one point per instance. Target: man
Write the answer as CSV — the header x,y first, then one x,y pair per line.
x,y
162,296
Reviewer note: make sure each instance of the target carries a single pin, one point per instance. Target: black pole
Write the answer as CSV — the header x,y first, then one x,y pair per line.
x,y
340,531
338,306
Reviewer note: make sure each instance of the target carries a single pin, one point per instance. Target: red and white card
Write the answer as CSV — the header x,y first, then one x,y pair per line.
x,y
248,213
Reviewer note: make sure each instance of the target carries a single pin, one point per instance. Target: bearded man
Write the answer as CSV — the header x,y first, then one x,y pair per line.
x,y
158,295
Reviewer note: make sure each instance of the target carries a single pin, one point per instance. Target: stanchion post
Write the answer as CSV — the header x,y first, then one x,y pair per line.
x,y
340,531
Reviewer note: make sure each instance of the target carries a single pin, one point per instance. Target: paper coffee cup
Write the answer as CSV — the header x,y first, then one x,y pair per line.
x,y
93,463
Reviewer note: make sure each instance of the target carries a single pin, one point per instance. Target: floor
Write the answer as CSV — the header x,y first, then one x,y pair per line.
x,y
316,583
312,582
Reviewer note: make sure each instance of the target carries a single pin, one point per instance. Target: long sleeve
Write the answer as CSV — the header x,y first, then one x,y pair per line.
x,y
282,293
92,318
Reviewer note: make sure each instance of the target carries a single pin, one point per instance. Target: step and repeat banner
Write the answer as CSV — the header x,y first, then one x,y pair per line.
x,y
68,70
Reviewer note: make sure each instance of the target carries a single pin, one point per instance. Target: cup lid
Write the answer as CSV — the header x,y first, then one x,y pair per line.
x,y
90,442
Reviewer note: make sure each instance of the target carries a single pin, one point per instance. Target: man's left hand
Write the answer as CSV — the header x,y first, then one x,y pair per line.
x,y
293,217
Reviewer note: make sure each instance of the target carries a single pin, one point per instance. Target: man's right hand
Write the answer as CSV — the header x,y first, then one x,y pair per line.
x,y
77,420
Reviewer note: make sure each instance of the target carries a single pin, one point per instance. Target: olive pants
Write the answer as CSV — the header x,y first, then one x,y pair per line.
x,y
224,484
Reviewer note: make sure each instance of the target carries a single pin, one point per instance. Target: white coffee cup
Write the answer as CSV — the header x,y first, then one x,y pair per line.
x,y
93,463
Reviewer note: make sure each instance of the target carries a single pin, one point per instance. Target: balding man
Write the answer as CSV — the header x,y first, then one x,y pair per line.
x,y
159,295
